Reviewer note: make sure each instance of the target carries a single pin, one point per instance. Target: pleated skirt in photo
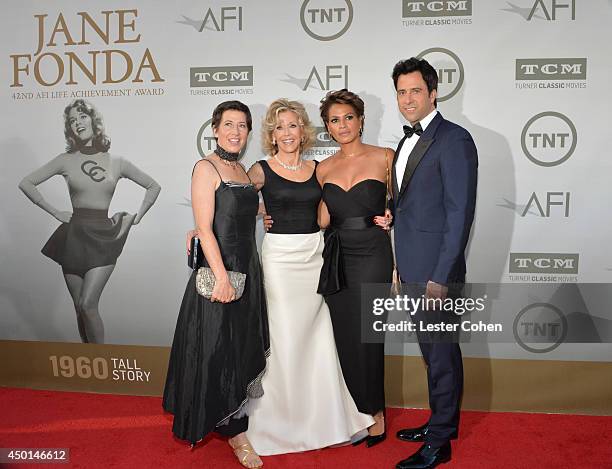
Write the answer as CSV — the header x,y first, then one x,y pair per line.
x,y
89,240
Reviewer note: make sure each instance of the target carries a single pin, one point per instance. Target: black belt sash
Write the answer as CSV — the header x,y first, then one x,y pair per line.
x,y
332,278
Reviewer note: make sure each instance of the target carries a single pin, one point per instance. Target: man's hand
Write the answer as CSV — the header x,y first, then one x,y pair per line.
x,y
435,291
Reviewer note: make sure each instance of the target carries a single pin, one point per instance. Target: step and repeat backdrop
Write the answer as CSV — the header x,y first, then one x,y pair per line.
x,y
530,79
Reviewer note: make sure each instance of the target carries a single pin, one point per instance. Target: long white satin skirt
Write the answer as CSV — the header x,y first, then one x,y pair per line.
x,y
306,404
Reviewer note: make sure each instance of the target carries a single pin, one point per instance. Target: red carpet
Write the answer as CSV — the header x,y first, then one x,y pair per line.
x,y
133,432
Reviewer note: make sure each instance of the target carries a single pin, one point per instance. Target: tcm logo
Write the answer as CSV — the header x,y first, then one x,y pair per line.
x,y
206,140
324,145
549,10
542,263
221,19
221,76
545,205
326,20
449,68
540,327
433,8
551,69
323,139
549,139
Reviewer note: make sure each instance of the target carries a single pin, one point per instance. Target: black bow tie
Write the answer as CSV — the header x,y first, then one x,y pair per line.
x,y
410,131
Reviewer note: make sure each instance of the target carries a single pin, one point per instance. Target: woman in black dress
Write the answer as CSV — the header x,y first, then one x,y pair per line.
x,y
355,188
220,345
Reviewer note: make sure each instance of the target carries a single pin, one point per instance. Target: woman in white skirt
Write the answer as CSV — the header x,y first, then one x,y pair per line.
x,y
306,404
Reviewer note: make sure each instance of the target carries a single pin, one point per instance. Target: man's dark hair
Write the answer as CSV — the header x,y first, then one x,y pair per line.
x,y
231,106
417,65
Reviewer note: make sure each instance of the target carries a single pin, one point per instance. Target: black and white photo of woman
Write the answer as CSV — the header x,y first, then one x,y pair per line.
x,y
88,242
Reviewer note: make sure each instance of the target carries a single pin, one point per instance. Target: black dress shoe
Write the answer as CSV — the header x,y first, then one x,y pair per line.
x,y
372,440
426,457
413,434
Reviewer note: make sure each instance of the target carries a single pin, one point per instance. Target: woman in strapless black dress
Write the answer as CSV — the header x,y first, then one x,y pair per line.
x,y
220,345
355,187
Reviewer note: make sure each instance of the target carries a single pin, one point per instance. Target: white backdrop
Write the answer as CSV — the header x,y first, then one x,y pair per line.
x,y
500,63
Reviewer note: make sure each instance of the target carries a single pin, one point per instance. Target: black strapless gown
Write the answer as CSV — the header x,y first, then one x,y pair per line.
x,y
219,350
365,257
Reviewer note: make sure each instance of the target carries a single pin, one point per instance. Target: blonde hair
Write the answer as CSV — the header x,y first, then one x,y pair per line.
x,y
271,119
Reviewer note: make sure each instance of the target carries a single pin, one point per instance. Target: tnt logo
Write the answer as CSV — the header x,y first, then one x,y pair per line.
x,y
549,139
206,140
326,20
450,71
540,327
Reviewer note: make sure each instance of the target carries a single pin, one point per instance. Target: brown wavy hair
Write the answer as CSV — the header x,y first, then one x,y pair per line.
x,y
100,140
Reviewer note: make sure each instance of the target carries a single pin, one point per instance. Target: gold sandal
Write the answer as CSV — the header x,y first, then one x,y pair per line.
x,y
247,449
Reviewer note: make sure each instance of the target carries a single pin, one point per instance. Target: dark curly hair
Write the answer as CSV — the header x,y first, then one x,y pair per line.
x,y
342,96
413,64
100,141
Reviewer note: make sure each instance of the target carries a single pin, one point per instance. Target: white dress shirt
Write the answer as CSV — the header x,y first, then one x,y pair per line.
x,y
408,146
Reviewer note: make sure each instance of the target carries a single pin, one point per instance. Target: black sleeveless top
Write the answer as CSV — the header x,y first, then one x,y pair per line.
x,y
292,205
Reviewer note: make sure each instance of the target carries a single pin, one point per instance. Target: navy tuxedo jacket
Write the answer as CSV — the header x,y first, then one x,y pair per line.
x,y
434,204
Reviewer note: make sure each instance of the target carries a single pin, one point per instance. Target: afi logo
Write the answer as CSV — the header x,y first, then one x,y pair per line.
x,y
544,205
225,16
326,20
550,12
331,72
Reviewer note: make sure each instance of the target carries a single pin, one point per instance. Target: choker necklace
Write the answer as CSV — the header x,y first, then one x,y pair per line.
x,y
229,158
288,166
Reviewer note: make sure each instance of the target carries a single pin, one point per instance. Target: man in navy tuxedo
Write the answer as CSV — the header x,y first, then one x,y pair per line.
x,y
434,192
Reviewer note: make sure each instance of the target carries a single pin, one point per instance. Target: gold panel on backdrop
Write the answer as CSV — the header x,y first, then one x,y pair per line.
x,y
114,369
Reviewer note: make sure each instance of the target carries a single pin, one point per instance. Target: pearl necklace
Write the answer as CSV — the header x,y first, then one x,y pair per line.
x,y
289,167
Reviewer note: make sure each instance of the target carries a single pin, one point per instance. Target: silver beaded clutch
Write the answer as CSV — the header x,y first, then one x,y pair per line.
x,y
205,282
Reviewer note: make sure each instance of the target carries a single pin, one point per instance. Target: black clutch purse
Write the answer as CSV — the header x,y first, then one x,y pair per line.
x,y
195,259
